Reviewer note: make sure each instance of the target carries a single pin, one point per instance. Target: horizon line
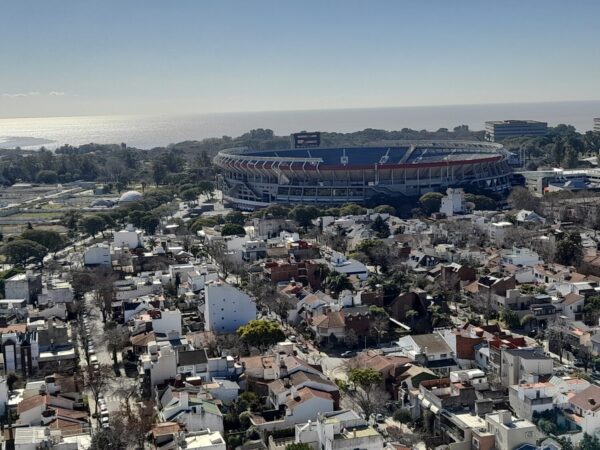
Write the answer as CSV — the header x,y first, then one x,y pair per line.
x,y
445,105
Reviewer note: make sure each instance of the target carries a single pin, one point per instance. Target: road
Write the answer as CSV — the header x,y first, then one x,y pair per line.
x,y
117,384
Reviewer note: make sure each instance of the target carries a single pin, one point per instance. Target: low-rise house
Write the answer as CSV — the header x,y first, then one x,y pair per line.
x,y
330,325
510,432
97,255
583,409
524,364
338,430
279,390
23,285
301,405
430,350
129,237
339,263
190,411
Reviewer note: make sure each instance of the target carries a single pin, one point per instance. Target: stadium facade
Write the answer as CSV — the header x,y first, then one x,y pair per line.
x,y
252,179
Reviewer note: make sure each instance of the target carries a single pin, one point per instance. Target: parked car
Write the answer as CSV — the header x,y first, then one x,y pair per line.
x,y
292,338
348,354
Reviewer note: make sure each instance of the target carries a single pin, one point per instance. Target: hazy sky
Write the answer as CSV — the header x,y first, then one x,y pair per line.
x,y
76,57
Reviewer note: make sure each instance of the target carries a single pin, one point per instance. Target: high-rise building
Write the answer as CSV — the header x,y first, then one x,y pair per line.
x,y
597,124
497,130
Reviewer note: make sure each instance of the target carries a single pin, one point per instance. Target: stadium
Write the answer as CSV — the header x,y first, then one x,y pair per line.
x,y
252,179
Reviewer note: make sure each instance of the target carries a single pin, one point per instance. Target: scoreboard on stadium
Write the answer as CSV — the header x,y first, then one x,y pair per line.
x,y
306,140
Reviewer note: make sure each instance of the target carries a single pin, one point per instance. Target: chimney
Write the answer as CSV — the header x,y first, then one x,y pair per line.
x,y
183,399
294,393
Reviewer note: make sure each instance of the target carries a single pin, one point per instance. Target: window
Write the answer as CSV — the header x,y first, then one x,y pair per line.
x,y
443,355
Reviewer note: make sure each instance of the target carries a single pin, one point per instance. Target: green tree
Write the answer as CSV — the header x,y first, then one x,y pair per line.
x,y
261,334
298,446
431,202
232,229
71,219
52,240
92,225
337,282
481,202
558,152
149,223
304,215
368,380
352,209
47,177
21,251
159,172
589,442
236,217
380,227
190,195
510,318
402,415
569,250
592,309
385,209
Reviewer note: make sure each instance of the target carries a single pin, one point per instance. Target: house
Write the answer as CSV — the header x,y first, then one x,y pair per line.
x,y
338,430
158,365
190,411
205,439
572,306
524,216
521,256
498,231
534,398
301,405
226,308
97,255
510,432
328,325
279,390
430,350
339,263
23,285
523,364
585,408
453,202
129,238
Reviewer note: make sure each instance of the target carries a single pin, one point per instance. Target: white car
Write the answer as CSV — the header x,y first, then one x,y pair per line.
x,y
103,408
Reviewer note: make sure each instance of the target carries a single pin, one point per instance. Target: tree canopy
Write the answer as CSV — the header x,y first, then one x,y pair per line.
x,y
52,240
431,202
232,229
92,225
22,251
261,334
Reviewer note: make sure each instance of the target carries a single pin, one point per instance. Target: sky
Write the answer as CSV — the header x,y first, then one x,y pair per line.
x,y
85,57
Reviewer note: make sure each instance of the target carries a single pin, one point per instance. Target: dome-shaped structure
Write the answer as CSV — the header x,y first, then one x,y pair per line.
x,y
130,197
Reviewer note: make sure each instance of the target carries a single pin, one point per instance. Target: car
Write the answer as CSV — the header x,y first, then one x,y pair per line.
x,y
578,363
96,366
292,338
303,348
91,351
104,420
105,425
94,359
103,408
379,418
532,333
347,354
